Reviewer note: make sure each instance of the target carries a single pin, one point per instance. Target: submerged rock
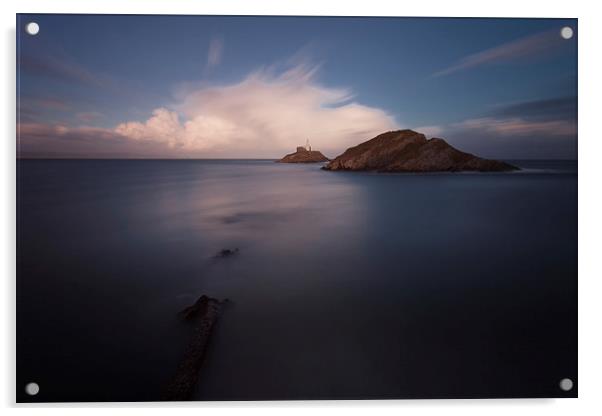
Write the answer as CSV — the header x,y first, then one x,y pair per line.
x,y
200,308
226,252
302,155
204,314
409,151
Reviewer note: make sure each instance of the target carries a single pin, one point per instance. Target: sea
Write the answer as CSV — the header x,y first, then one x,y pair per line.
x,y
342,285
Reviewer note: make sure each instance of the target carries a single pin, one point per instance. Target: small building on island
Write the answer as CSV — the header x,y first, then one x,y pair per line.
x,y
304,154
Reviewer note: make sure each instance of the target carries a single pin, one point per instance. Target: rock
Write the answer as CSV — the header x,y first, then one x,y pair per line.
x,y
409,151
303,155
204,314
226,252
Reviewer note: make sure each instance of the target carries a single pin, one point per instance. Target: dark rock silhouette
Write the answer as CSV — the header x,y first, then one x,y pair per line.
x,y
204,314
409,151
226,252
302,155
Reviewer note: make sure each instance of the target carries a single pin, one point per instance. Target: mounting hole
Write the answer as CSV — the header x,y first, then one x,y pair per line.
x,y
566,384
32,28
32,389
566,32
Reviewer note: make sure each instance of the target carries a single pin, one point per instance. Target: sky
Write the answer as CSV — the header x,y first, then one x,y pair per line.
x,y
118,86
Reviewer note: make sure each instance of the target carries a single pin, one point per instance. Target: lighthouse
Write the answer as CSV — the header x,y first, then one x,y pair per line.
x,y
307,146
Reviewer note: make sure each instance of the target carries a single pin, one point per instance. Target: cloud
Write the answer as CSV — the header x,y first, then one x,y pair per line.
x,y
214,56
89,116
564,108
45,131
530,129
265,115
163,126
521,48
57,140
429,131
33,108
520,127
62,70
59,67
48,103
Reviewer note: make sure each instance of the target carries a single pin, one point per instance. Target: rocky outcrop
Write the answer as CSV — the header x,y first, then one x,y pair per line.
x,y
409,151
203,314
303,155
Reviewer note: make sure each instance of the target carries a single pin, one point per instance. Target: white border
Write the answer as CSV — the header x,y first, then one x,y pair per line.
x,y
590,209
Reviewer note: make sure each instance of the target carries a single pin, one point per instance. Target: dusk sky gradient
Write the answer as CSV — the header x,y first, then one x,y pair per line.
x,y
97,86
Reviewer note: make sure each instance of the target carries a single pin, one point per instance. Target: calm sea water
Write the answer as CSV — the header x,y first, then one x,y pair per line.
x,y
346,285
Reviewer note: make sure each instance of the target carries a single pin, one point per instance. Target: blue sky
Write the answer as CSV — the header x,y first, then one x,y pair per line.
x,y
211,86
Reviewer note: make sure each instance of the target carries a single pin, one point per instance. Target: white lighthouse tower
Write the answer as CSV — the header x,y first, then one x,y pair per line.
x,y
307,146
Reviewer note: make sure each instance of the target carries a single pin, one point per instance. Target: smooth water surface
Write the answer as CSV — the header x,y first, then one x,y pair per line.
x,y
346,285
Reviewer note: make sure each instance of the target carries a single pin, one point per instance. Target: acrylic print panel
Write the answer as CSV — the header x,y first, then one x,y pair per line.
x,y
416,239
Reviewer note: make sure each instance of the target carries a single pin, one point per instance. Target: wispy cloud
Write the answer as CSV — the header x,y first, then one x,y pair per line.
x,y
530,129
58,140
62,70
521,48
46,131
214,55
517,126
89,116
546,109
32,108
47,103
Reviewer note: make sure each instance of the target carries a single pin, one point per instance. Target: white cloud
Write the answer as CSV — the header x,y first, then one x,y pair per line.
x,y
163,125
265,115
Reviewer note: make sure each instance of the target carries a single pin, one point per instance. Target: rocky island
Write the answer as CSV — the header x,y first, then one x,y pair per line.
x,y
410,151
304,155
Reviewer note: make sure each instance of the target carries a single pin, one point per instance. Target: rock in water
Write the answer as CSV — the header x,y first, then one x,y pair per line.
x,y
409,151
226,252
302,155
203,314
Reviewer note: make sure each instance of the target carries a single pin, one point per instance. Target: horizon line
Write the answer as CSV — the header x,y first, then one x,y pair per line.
x,y
234,158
